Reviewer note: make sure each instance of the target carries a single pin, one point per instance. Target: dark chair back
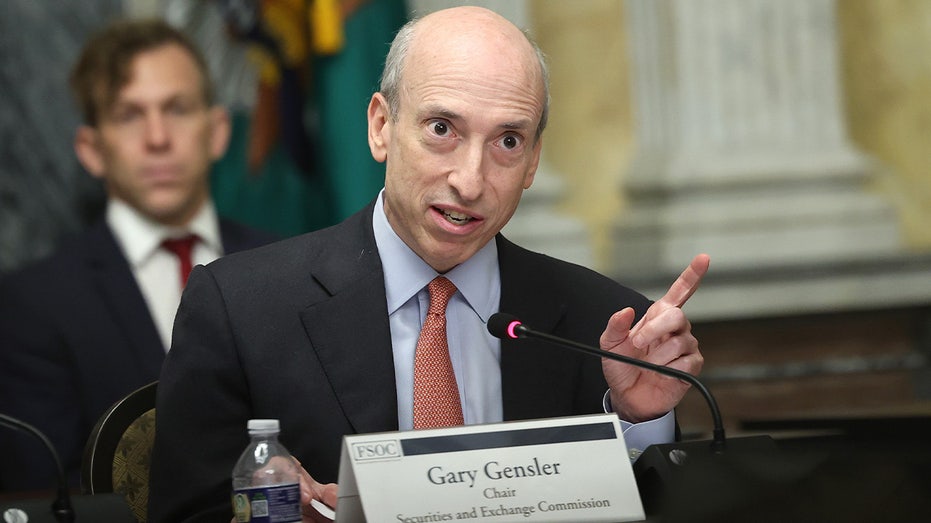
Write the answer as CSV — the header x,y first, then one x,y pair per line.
x,y
116,457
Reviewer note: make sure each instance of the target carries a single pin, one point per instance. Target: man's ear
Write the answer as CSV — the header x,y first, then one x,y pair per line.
x,y
221,129
379,133
87,149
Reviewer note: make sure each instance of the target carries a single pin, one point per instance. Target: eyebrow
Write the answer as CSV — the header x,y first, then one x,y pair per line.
x,y
434,111
516,126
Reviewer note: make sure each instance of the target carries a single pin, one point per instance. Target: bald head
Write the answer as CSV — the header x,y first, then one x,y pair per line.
x,y
478,42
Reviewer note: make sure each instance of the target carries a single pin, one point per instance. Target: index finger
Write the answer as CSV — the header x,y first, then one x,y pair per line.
x,y
687,283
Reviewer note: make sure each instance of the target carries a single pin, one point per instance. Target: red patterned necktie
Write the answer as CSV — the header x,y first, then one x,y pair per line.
x,y
436,395
181,248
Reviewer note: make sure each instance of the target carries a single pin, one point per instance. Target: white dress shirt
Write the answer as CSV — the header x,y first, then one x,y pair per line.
x,y
157,270
475,354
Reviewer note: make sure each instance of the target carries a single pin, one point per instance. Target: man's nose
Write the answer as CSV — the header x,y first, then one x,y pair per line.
x,y
468,177
156,130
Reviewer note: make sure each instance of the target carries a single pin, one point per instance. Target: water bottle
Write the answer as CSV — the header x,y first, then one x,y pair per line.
x,y
266,482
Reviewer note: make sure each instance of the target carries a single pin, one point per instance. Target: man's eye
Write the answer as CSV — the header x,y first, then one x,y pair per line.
x,y
181,107
125,115
178,109
440,128
510,142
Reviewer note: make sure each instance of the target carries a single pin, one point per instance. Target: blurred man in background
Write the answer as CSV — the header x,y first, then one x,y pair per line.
x,y
92,323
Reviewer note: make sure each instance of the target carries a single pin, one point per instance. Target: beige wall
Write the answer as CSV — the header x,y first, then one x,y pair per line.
x,y
589,137
886,76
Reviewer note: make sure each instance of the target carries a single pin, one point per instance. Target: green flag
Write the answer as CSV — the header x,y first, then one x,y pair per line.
x,y
344,83
279,198
283,197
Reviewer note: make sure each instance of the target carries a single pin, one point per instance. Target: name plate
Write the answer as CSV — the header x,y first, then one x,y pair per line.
x,y
558,470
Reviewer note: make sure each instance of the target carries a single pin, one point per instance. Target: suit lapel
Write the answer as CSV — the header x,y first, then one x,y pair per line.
x,y
529,366
120,293
349,327
520,289
113,280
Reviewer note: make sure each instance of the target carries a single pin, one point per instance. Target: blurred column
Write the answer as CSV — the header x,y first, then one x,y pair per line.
x,y
742,148
538,226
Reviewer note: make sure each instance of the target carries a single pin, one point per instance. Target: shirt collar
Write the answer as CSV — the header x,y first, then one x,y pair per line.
x,y
406,273
139,236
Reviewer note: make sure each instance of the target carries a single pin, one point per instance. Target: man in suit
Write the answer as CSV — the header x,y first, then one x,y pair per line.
x,y
91,323
326,341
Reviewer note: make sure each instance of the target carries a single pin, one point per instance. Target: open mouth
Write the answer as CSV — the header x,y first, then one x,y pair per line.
x,y
455,217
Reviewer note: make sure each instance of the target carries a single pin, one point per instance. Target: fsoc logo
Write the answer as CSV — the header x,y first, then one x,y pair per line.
x,y
375,450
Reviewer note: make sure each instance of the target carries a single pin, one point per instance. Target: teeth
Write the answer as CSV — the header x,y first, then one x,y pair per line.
x,y
455,217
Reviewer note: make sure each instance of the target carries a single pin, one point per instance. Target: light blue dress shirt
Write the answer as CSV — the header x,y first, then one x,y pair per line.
x,y
475,354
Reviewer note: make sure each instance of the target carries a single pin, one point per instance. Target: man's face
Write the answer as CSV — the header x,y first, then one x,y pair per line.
x,y
461,150
154,145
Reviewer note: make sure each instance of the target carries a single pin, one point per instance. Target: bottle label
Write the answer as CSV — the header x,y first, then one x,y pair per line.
x,y
275,504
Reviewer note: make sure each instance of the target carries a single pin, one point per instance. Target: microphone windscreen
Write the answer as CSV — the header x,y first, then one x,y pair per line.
x,y
501,325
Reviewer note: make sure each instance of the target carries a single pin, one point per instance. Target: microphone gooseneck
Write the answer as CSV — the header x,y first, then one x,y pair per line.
x,y
61,507
506,326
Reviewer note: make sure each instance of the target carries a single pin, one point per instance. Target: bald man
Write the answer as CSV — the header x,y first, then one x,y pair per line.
x,y
326,340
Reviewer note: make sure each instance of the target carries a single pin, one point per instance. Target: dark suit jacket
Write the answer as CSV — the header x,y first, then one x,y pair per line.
x,y
298,331
75,336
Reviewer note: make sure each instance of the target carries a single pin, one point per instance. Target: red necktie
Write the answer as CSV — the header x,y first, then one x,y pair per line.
x,y
181,248
436,395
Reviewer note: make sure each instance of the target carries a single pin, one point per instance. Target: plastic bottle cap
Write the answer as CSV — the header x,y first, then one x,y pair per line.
x,y
263,425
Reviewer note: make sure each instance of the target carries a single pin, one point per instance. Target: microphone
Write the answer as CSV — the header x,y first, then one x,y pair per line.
x,y
110,507
506,326
821,476
61,506
675,478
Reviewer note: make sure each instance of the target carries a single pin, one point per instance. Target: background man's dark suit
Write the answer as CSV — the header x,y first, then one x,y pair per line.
x,y
77,320
298,331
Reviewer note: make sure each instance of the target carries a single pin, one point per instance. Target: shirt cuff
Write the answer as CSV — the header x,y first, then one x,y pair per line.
x,y
639,436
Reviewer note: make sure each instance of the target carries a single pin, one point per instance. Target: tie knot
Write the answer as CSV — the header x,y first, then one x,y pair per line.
x,y
182,246
441,290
